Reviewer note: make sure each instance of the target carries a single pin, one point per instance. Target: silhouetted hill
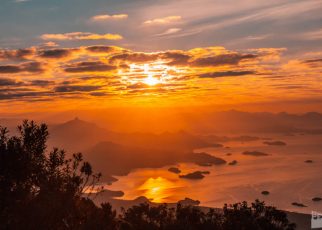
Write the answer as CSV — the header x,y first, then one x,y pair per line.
x,y
77,135
115,159
178,140
206,122
118,153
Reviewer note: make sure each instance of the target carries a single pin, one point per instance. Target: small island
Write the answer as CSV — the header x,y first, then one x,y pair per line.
x,y
265,193
317,199
274,143
255,153
299,204
174,170
234,162
197,175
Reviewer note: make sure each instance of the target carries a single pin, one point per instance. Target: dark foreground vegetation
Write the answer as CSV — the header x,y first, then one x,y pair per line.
x,y
45,190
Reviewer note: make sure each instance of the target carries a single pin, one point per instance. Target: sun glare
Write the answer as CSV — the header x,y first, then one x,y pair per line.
x,y
154,73
150,80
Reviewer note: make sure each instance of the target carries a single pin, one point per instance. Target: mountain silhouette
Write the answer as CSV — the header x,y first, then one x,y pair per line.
x,y
79,135
259,122
76,135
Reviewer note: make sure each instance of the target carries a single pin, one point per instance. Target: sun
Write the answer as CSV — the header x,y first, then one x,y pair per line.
x,y
150,74
150,80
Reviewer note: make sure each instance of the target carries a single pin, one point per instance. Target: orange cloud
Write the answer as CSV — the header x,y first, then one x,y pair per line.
x,y
89,66
105,17
169,32
88,72
16,54
28,67
81,36
163,21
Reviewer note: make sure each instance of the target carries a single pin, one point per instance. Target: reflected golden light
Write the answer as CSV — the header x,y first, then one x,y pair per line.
x,y
157,189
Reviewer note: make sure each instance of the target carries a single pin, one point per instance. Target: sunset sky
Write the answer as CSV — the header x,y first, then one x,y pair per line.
x,y
60,55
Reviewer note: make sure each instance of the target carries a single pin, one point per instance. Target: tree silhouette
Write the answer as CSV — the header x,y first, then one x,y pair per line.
x,y
240,216
41,186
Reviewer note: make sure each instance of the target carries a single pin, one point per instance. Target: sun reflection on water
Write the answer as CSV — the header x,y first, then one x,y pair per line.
x,y
157,189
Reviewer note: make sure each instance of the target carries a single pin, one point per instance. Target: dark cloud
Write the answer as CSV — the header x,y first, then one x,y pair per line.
x,y
21,95
100,49
9,69
90,66
182,78
31,67
76,88
9,82
55,53
177,57
69,82
98,94
15,54
41,82
226,74
222,59
313,60
135,57
14,89
94,78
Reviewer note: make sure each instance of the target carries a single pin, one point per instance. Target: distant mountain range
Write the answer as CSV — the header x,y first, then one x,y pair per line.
x,y
203,122
236,121
118,153
76,135
79,135
114,153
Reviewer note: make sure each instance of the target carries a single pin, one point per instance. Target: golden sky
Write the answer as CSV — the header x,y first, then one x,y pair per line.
x,y
106,76
159,54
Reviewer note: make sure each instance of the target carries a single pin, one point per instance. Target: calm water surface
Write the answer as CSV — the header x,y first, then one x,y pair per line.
x,y
284,174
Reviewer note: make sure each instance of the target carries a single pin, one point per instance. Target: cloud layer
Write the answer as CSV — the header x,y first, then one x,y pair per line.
x,y
81,36
106,17
163,21
91,73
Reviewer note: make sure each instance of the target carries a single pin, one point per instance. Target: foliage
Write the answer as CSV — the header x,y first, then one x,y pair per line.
x,y
44,190
36,185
